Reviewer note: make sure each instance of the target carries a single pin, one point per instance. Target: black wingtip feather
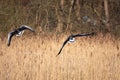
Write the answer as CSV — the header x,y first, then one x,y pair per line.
x,y
58,53
8,45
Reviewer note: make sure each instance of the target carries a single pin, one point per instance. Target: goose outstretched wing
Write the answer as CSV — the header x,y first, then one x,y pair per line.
x,y
10,35
80,35
63,45
23,27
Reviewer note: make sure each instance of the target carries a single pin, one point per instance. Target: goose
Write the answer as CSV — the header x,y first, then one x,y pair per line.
x,y
18,32
71,38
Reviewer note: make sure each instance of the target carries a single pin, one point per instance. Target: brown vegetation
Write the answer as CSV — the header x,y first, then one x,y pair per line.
x,y
34,58
61,15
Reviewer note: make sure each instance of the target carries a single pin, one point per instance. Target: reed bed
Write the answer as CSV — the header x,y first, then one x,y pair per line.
x,y
34,58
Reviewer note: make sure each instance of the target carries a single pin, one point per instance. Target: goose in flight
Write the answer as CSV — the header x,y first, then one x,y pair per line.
x,y
71,38
18,32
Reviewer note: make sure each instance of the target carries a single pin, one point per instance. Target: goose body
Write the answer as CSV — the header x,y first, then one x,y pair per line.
x,y
18,32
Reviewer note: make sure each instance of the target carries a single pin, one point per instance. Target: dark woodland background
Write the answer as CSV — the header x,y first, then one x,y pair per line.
x,y
58,16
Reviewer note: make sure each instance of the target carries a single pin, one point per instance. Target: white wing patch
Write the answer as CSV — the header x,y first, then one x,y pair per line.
x,y
71,39
20,33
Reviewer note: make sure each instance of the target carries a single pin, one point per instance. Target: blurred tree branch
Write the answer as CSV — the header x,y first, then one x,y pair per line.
x,y
107,14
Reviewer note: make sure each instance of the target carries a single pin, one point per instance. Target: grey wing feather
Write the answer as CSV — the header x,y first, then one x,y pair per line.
x,y
23,27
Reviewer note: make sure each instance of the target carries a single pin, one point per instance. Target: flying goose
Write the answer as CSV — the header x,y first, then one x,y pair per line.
x,y
18,32
71,38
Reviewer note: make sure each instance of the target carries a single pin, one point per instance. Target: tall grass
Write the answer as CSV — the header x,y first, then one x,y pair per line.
x,y
34,58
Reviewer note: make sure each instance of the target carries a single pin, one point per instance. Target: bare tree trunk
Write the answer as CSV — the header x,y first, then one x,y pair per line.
x,y
78,10
59,18
107,14
99,14
73,4
46,27
69,15
62,4
58,13
76,6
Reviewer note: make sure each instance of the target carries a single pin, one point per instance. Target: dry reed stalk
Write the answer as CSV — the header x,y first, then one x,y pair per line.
x,y
34,58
